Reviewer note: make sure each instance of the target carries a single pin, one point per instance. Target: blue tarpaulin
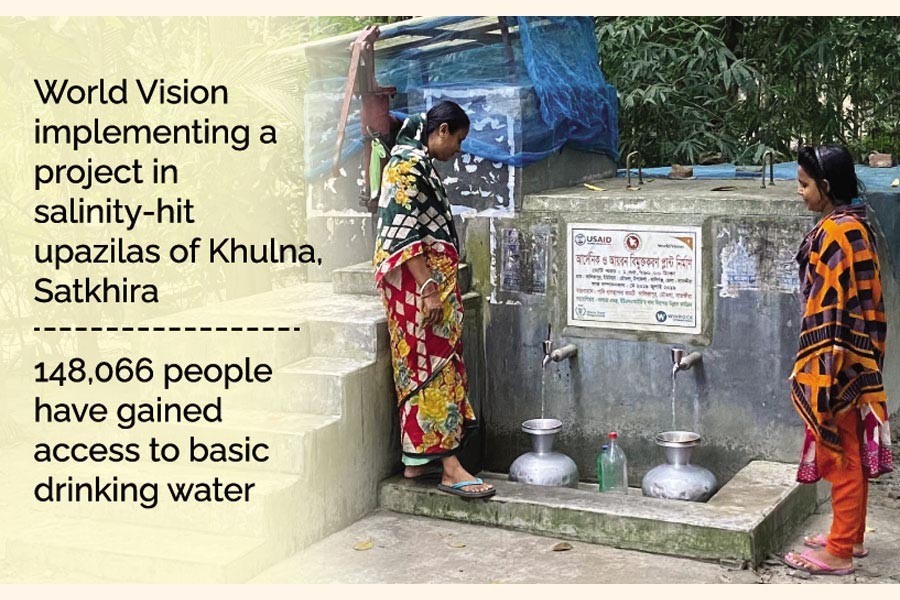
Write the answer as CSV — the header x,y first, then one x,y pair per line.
x,y
555,57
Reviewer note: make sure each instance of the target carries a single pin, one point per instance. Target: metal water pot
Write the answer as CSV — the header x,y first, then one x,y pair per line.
x,y
678,479
543,466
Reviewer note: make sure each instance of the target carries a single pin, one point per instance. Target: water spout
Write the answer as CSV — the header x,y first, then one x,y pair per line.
x,y
567,351
680,362
548,349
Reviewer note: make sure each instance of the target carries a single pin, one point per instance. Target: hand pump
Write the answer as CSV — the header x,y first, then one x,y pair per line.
x,y
376,121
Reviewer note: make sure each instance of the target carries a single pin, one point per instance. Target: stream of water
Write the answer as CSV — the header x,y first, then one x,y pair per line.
x,y
674,428
543,390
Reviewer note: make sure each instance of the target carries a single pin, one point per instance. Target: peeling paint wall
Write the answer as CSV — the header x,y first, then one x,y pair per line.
x,y
758,256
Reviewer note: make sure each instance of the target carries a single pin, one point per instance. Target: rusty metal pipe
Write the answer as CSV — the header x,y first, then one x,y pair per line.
x,y
628,168
771,155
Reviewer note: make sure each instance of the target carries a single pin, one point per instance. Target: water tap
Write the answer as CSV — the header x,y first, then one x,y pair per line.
x,y
680,362
548,350
567,351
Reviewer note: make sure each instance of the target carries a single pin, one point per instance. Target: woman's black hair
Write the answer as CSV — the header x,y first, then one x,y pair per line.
x,y
446,112
833,164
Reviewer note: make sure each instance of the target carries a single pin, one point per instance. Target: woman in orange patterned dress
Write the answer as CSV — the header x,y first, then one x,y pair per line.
x,y
836,383
416,258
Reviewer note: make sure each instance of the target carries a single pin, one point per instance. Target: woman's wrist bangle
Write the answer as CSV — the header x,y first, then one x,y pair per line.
x,y
421,288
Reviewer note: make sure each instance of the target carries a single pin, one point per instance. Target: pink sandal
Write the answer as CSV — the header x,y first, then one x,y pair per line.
x,y
820,541
822,568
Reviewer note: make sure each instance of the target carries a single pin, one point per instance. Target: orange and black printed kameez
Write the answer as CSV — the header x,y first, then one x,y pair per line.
x,y
839,364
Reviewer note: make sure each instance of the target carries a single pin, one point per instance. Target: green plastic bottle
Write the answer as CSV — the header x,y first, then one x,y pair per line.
x,y
615,468
600,467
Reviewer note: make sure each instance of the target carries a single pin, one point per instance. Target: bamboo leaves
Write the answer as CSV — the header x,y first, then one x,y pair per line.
x,y
738,85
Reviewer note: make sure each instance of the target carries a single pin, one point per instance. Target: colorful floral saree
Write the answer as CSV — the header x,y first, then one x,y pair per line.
x,y
414,218
842,340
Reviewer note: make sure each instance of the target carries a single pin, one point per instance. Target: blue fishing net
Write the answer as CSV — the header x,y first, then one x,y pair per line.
x,y
529,91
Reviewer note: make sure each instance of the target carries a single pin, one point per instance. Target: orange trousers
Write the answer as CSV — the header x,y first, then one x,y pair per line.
x,y
849,487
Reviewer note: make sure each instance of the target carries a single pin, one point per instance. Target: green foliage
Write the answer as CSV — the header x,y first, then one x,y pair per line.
x,y
315,28
730,87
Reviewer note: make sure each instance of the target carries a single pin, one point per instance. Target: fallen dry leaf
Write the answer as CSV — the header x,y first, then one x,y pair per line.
x,y
895,183
456,544
870,529
594,187
562,547
366,545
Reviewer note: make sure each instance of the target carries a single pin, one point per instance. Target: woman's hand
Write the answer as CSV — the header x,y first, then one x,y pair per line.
x,y
432,307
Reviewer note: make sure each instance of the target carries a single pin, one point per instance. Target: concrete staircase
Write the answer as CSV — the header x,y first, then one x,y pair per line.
x,y
327,415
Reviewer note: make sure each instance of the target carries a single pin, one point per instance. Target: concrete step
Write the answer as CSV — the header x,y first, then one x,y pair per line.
x,y
278,327
139,554
342,238
291,438
317,385
751,516
313,385
350,336
360,279
326,416
355,279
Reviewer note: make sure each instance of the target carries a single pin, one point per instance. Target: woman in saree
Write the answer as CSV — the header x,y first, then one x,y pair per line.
x,y
416,260
836,383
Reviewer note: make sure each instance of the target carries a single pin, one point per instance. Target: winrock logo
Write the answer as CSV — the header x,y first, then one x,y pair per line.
x,y
661,316
600,240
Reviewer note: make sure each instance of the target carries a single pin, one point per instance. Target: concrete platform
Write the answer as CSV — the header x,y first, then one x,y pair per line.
x,y
416,550
750,517
410,549
672,197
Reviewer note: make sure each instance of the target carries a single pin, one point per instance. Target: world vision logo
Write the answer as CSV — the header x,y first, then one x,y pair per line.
x,y
596,239
687,241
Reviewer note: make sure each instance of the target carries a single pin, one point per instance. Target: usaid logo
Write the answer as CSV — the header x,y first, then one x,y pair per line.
x,y
600,240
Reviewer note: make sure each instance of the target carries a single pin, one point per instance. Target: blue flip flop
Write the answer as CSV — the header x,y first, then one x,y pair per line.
x,y
457,489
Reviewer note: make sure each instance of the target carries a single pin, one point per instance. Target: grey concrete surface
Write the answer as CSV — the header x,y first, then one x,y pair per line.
x,y
410,549
751,516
